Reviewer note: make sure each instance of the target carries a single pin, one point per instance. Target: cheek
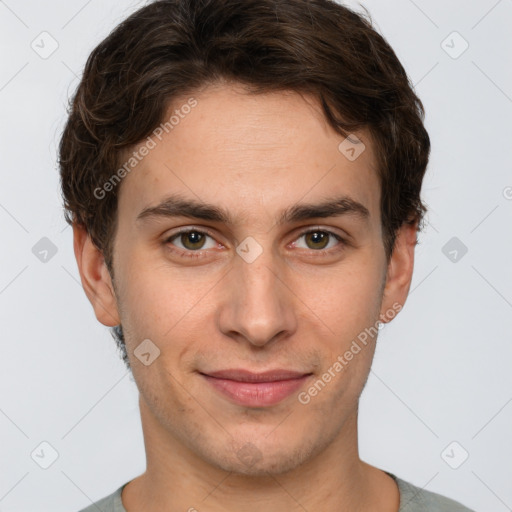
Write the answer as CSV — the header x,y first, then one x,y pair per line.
x,y
165,397
155,298
347,298
171,311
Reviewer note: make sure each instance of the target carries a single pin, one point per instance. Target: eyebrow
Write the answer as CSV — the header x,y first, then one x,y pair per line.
x,y
177,206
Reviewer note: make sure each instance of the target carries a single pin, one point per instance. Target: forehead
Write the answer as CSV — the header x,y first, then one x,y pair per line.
x,y
252,154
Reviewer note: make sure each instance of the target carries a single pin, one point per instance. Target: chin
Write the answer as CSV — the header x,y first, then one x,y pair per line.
x,y
264,458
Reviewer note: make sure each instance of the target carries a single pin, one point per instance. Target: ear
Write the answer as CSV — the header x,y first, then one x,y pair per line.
x,y
399,272
95,277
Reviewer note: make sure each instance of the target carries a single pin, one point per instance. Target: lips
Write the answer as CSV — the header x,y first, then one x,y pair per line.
x,y
250,389
241,375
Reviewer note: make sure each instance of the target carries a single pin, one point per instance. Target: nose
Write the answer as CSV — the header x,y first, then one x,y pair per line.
x,y
257,306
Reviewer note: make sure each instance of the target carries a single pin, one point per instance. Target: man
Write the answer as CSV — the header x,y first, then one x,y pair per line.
x,y
243,180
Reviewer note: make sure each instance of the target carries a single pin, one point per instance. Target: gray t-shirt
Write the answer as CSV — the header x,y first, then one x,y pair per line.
x,y
412,499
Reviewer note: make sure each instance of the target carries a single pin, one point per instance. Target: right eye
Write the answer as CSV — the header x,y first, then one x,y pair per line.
x,y
190,242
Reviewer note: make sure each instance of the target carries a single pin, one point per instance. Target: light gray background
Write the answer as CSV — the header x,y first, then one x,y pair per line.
x,y
442,368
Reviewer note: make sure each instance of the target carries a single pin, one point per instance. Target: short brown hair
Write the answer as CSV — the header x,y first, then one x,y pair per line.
x,y
171,48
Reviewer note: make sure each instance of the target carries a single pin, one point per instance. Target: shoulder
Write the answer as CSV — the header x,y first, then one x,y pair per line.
x,y
415,499
111,503
412,499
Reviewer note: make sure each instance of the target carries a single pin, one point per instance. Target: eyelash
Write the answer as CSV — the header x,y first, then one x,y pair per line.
x,y
199,253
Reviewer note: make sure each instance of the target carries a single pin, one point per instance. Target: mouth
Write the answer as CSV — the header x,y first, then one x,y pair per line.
x,y
250,389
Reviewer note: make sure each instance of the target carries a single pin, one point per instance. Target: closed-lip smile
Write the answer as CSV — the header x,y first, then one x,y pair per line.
x,y
256,389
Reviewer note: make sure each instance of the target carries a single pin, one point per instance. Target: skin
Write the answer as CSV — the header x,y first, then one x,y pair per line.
x,y
291,308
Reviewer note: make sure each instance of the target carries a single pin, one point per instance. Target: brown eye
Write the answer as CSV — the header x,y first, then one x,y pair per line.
x,y
317,239
193,240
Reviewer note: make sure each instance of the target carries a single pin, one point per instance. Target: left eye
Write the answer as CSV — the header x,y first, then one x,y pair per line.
x,y
318,240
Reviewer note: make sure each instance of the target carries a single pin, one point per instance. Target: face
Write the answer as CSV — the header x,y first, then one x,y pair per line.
x,y
248,241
